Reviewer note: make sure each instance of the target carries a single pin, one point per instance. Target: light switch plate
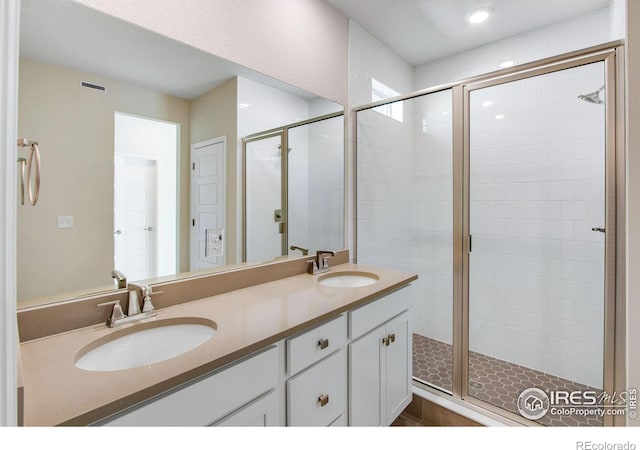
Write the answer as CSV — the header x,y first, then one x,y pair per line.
x,y
65,222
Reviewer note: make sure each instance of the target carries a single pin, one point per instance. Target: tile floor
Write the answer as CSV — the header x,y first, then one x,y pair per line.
x,y
492,380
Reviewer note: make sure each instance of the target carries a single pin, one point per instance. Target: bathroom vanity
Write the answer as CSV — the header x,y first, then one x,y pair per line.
x,y
305,350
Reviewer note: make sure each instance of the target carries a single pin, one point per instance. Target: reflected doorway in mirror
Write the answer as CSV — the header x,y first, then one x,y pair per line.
x,y
145,196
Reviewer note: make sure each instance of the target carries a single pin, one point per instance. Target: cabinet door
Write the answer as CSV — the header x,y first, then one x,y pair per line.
x,y
316,397
262,412
365,379
398,366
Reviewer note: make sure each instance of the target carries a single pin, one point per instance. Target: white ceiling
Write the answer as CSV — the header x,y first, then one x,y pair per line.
x,y
424,30
65,33
68,34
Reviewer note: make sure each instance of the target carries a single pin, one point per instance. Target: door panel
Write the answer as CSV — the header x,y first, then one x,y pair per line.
x,y
536,267
134,217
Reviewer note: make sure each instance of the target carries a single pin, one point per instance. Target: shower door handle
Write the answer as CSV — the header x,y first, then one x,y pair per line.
x,y
598,229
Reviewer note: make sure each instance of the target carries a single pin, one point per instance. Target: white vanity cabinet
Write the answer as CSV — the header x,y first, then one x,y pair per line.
x,y
241,394
317,365
380,360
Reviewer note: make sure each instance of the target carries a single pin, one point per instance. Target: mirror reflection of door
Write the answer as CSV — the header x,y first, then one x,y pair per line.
x,y
135,216
265,213
208,192
145,197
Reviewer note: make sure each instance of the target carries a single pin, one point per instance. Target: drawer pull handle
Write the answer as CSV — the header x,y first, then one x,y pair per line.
x,y
392,338
323,399
323,343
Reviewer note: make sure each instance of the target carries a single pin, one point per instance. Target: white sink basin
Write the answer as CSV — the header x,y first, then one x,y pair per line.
x,y
145,344
348,279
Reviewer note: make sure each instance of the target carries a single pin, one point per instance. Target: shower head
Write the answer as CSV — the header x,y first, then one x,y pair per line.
x,y
593,97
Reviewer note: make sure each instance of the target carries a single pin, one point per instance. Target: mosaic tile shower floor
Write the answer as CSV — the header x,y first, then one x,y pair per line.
x,y
492,380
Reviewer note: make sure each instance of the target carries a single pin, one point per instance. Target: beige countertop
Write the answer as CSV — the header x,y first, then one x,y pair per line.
x,y
56,392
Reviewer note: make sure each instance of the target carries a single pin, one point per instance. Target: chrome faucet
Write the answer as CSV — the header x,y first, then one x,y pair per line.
x,y
120,278
320,264
118,317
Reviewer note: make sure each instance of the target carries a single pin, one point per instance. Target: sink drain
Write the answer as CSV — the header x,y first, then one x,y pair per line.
x,y
475,384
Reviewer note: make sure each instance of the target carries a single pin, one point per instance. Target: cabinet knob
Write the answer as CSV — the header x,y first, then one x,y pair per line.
x,y
385,341
323,343
392,338
323,399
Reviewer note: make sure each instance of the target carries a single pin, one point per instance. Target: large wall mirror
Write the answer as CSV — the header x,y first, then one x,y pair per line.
x,y
142,158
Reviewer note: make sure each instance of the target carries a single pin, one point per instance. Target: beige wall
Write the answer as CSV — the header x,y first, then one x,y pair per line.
x,y
301,42
633,197
213,115
75,127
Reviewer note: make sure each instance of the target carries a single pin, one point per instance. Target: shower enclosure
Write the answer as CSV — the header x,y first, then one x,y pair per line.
x,y
501,192
293,200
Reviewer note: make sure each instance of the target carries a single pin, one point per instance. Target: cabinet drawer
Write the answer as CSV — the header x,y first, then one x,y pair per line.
x,y
207,400
369,316
317,396
313,345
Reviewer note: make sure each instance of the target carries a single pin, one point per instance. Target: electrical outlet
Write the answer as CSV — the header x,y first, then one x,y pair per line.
x,y
65,222
213,245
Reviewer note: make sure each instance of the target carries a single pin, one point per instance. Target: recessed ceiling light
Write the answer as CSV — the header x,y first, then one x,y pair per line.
x,y
487,103
479,15
505,64
243,105
500,116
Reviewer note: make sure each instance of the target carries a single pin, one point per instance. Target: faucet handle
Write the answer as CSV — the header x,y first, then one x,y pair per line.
x,y
116,312
313,266
147,306
147,291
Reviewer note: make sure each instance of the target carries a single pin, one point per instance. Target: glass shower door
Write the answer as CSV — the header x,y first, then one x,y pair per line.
x,y
265,208
537,246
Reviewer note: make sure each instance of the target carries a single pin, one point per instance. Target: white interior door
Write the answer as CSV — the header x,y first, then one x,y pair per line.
x,y
208,240
135,217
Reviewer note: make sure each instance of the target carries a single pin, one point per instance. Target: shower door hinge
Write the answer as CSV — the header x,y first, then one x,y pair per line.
x,y
467,243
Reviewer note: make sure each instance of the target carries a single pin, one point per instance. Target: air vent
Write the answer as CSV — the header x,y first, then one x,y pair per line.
x,y
97,87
